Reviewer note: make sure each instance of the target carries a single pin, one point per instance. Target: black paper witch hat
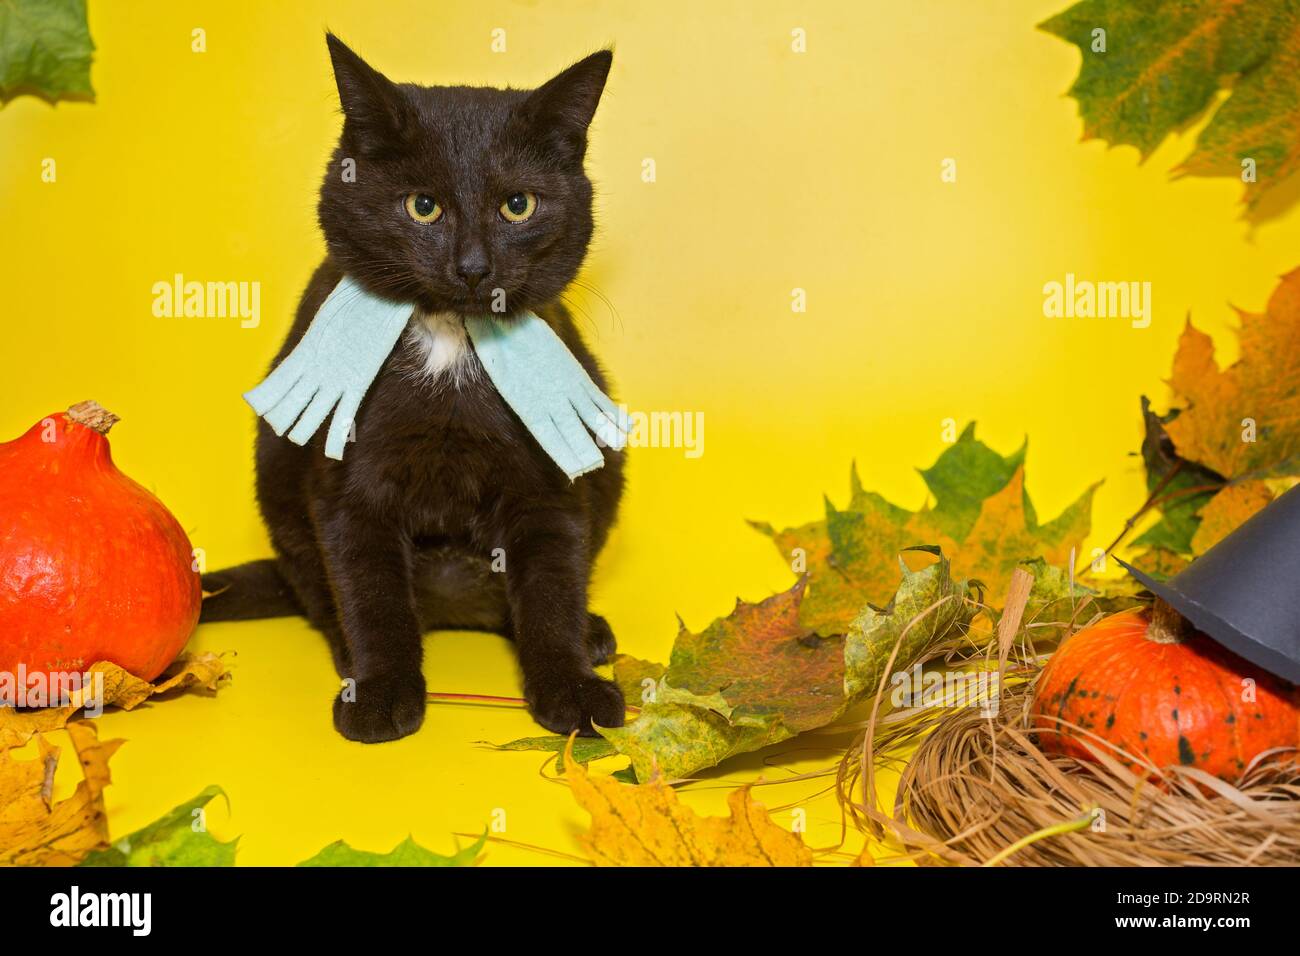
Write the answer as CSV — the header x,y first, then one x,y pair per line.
x,y
1245,591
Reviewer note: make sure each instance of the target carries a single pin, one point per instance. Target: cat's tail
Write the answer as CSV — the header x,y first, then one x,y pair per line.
x,y
247,592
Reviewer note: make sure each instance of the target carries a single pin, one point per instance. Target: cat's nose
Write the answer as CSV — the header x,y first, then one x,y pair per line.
x,y
473,268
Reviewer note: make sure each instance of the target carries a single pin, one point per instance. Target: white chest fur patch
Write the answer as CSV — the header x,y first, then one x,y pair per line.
x,y
439,346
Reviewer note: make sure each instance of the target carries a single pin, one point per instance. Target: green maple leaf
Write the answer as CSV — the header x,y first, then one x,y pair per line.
x,y
1162,64
406,853
964,476
171,840
982,519
45,49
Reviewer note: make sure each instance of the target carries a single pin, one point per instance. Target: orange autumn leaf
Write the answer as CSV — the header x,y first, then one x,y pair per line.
x,y
121,689
646,825
1160,563
1227,510
1243,419
35,830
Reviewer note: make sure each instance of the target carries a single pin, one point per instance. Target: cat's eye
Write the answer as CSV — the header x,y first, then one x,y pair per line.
x,y
423,208
519,207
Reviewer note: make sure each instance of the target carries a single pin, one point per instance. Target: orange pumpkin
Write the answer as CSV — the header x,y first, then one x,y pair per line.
x,y
1150,685
92,566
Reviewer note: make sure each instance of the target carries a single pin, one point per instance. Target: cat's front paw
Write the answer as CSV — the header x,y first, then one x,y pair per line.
x,y
381,708
566,705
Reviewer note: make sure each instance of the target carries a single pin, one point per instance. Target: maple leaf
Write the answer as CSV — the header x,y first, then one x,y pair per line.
x,y
34,830
647,825
406,853
45,48
1231,432
121,689
1006,534
753,678
1162,65
982,519
1263,385
637,678
1227,510
171,840
1159,563
765,660
761,675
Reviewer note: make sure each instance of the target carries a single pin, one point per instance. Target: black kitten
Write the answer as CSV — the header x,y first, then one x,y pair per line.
x,y
445,512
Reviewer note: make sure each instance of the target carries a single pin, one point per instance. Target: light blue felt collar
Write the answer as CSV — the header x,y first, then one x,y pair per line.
x,y
353,333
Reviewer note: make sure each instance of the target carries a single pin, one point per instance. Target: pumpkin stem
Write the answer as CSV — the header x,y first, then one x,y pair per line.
x,y
1167,625
94,416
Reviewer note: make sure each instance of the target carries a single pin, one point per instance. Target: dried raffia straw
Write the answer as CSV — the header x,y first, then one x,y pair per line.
x,y
977,790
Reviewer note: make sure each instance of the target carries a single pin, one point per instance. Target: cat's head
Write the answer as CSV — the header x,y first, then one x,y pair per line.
x,y
461,199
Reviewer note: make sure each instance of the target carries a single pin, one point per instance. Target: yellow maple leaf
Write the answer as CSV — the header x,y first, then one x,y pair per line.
x,y
646,825
1227,510
1258,393
35,830
121,689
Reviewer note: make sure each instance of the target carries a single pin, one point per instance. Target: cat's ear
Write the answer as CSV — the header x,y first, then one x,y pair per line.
x,y
374,110
561,109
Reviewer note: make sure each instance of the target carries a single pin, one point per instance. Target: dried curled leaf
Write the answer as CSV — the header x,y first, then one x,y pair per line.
x,y
204,671
928,606
646,825
34,831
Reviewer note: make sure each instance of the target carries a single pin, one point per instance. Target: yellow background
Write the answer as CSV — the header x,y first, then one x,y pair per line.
x,y
775,170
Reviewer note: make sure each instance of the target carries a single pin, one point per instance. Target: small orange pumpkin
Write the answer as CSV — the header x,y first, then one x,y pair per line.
x,y
1150,685
93,567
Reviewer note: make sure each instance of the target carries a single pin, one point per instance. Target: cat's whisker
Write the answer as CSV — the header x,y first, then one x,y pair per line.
x,y
609,304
